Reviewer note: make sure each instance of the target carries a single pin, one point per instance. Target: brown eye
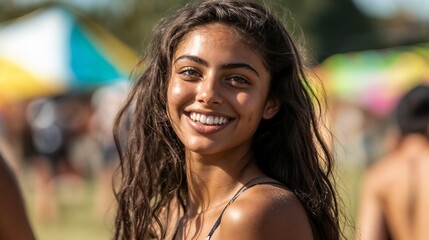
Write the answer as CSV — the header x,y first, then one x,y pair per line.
x,y
238,81
190,72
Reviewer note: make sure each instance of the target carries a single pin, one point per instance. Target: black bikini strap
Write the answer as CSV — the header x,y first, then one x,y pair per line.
x,y
240,191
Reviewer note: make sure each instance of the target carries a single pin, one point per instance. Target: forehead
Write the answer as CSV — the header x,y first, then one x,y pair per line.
x,y
215,29
219,37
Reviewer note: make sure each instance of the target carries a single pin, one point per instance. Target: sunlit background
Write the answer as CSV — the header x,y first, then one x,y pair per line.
x,y
65,67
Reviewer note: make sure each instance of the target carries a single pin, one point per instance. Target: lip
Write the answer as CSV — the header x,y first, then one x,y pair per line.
x,y
207,129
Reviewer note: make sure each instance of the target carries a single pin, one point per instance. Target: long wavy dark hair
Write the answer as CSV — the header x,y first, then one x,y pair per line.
x,y
289,147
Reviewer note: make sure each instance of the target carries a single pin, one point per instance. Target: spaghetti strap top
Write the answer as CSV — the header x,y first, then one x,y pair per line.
x,y
246,186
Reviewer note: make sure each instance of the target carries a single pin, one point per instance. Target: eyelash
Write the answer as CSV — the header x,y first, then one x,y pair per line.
x,y
189,72
236,80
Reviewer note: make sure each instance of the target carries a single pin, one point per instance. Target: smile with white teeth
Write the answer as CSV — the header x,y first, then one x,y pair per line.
x,y
208,120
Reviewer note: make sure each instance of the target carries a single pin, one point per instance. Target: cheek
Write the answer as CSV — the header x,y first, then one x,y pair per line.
x,y
250,106
247,105
244,99
179,94
174,91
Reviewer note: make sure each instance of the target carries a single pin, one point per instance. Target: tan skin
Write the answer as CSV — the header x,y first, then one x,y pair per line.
x,y
14,223
216,74
386,193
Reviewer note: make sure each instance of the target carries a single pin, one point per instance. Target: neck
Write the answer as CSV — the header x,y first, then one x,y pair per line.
x,y
213,180
414,144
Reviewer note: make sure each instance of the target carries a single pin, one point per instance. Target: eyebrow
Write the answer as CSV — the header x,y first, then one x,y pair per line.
x,y
223,66
239,65
194,59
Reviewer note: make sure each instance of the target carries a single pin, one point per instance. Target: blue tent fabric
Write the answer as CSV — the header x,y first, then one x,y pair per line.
x,y
67,51
88,64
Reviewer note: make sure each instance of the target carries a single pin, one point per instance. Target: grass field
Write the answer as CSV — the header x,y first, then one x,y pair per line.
x,y
76,214
77,217
349,180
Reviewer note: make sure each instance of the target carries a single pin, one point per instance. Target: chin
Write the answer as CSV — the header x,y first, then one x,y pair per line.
x,y
202,148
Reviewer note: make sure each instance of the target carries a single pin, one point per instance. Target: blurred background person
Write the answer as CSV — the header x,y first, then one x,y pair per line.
x,y
106,102
14,223
63,150
395,198
49,140
12,132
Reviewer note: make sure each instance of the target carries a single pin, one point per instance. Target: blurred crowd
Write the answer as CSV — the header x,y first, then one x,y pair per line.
x,y
64,139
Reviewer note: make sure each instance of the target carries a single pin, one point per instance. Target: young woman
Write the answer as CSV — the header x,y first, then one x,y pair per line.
x,y
223,140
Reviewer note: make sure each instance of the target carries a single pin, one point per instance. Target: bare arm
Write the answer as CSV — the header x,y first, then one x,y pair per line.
x,y
371,224
14,223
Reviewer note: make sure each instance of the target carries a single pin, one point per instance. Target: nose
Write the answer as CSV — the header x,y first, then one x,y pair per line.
x,y
208,91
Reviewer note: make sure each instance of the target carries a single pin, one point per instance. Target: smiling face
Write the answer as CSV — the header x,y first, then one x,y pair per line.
x,y
217,92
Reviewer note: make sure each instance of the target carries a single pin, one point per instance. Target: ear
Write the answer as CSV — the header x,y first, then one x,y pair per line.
x,y
271,108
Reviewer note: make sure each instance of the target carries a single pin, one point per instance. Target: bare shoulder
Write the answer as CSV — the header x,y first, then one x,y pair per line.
x,y
265,212
384,172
